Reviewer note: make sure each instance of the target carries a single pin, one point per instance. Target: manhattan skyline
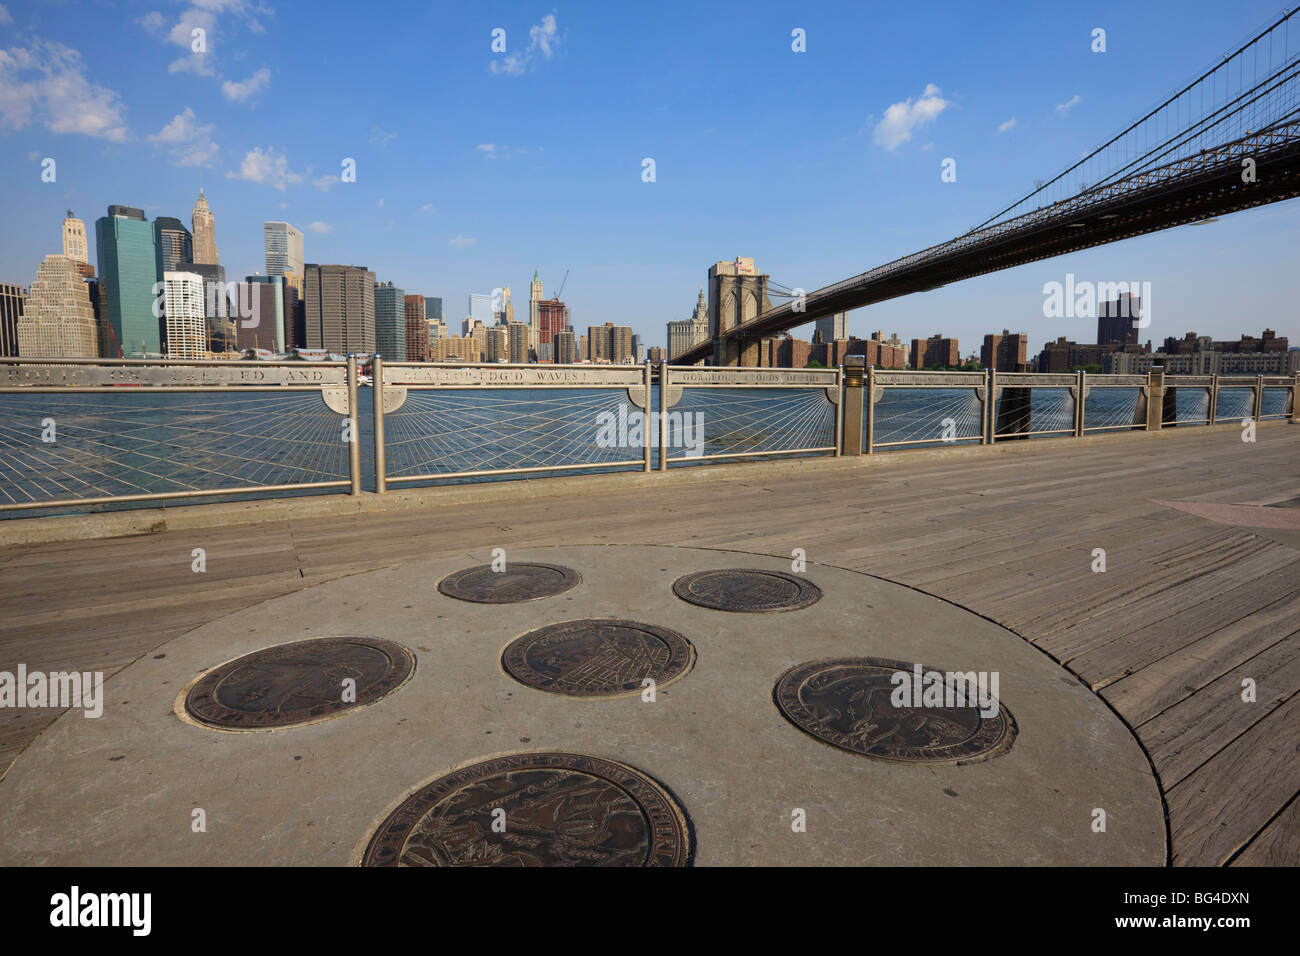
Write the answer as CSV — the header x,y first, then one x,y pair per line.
x,y
505,163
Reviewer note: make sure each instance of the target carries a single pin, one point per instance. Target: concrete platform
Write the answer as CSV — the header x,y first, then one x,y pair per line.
x,y
121,789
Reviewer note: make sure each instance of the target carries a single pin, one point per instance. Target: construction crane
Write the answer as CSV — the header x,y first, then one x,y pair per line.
x,y
562,281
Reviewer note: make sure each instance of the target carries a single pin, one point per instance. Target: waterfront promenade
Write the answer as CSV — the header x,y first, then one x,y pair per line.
x,y
1201,589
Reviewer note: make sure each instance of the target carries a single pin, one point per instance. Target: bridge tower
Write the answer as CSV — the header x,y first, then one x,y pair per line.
x,y
737,293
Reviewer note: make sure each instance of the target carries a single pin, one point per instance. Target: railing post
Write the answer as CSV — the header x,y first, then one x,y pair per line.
x,y
354,443
869,411
1080,409
853,376
1155,398
663,416
1214,397
1295,399
377,390
1259,398
648,420
991,408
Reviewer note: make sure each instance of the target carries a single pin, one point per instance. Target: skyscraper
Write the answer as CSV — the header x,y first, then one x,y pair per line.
x,y
339,308
688,332
417,330
205,237
265,318
552,317
502,308
480,308
216,305
834,328
519,333
1116,320
58,320
283,252
74,239
534,310
13,298
433,308
610,343
175,243
183,311
390,322
496,344
130,263
566,349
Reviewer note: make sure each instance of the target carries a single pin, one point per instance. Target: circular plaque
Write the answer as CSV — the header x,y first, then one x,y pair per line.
x,y
746,589
850,703
535,809
300,682
597,658
518,582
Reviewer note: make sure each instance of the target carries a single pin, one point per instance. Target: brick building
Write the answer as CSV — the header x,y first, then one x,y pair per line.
x,y
936,350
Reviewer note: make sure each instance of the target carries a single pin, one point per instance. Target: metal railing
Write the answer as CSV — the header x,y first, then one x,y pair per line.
x,y
945,408
81,432
749,412
92,432
925,408
441,421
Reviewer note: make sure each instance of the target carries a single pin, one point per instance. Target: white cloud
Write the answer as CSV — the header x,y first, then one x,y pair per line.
x,y
189,144
380,136
543,39
901,119
266,167
182,34
202,15
460,242
1009,124
4,15
1069,104
428,209
488,149
45,82
327,182
196,63
321,228
238,92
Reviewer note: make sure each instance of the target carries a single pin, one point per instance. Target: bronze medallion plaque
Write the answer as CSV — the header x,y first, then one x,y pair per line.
x,y
535,809
744,589
597,658
298,683
518,582
847,704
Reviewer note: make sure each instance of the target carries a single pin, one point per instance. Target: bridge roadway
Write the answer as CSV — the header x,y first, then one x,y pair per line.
x,y
1201,588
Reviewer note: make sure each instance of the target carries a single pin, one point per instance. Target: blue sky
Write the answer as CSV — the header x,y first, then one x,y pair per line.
x,y
474,168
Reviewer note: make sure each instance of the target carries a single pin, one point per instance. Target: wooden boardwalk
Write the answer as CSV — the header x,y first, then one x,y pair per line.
x,y
1187,609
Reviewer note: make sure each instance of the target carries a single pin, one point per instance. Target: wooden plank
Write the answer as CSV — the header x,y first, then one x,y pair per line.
x,y
1188,734
1278,844
1139,648
1222,805
1146,693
